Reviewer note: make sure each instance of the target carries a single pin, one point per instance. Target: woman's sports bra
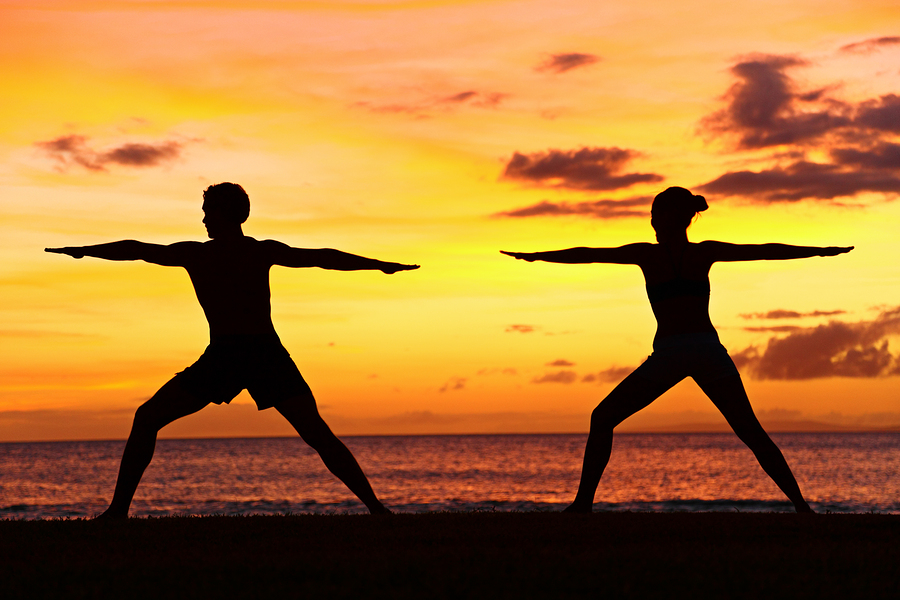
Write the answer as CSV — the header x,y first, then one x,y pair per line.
x,y
677,287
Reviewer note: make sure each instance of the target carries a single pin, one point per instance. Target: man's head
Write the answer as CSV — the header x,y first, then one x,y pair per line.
x,y
228,199
226,206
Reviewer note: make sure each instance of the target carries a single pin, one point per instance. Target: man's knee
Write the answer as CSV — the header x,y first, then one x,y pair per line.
x,y
146,418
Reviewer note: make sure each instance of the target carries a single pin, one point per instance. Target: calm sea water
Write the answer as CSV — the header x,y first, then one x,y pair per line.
x,y
648,472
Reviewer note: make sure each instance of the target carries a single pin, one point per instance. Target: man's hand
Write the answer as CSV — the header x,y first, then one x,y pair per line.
x,y
391,268
74,252
835,250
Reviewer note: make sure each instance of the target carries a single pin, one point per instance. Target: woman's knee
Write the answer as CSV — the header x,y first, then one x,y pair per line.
x,y
602,419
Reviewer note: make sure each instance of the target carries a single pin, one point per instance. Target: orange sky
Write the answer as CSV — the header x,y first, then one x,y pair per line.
x,y
389,129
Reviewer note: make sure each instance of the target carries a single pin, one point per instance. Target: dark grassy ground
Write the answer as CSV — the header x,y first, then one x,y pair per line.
x,y
469,555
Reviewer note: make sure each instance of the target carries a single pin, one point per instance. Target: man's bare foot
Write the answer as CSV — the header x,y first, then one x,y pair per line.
x,y
109,515
381,509
578,508
804,509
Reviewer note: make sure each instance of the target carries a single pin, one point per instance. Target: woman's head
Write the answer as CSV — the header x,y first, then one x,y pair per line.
x,y
674,209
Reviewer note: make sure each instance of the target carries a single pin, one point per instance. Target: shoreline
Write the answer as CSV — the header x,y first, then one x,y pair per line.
x,y
698,429
458,555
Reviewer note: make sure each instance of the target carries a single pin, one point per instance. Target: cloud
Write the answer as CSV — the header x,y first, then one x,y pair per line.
x,y
586,169
561,362
498,371
870,45
453,384
835,349
74,150
565,377
520,328
489,100
426,106
560,63
791,314
880,156
803,180
766,109
597,209
882,114
611,375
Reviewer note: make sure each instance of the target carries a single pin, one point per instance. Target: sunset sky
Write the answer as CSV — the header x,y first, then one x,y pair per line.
x,y
438,133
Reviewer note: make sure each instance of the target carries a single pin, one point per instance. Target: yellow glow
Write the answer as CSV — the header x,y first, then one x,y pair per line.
x,y
383,129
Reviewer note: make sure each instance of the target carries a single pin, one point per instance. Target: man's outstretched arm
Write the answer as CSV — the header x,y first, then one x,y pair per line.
x,y
327,258
173,255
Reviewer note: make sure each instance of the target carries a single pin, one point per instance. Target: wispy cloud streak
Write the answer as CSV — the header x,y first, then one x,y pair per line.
x,y
597,209
560,63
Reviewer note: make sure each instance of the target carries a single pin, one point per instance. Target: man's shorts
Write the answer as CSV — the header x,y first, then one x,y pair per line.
x,y
697,355
232,363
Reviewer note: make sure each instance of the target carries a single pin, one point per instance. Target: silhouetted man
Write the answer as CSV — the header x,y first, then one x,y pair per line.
x,y
230,274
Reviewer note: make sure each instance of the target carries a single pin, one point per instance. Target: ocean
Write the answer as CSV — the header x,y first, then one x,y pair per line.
x,y
838,472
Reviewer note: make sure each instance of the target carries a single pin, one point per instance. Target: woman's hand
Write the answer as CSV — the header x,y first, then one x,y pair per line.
x,y
529,256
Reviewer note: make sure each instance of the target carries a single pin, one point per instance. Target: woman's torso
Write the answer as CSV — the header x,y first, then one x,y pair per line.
x,y
677,278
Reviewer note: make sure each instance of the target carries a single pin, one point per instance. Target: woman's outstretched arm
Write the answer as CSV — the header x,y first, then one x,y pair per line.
x,y
630,254
725,252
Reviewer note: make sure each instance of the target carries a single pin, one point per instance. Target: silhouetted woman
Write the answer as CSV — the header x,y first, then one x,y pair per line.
x,y
686,344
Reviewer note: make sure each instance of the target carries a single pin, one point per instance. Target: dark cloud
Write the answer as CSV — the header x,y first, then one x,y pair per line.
x,y
74,149
610,375
560,63
583,169
765,109
871,45
452,384
881,156
560,362
791,314
835,349
803,180
565,377
598,209
882,114
520,328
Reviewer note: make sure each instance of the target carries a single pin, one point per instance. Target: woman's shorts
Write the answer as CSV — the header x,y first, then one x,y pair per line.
x,y
697,355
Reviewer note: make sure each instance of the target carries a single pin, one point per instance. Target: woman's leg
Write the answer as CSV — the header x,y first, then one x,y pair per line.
x,y
730,397
627,398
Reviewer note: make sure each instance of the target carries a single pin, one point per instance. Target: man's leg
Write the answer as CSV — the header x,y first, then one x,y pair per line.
x,y
730,397
302,413
171,402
